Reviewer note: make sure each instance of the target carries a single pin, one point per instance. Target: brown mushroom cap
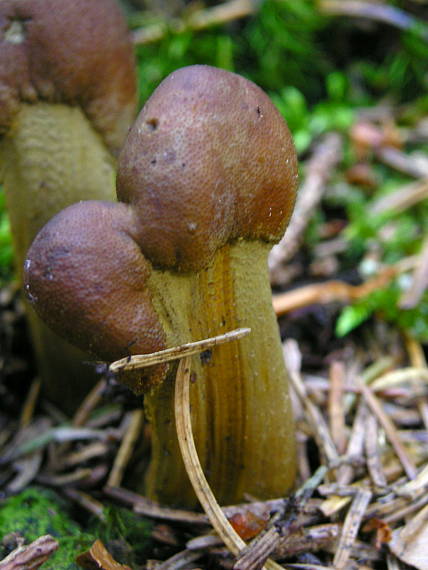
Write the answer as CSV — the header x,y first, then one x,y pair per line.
x,y
87,279
209,160
72,51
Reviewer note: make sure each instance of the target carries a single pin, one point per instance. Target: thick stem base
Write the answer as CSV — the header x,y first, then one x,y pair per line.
x,y
53,158
241,412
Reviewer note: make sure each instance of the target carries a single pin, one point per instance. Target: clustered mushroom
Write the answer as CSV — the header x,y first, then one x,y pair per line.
x,y
67,99
206,184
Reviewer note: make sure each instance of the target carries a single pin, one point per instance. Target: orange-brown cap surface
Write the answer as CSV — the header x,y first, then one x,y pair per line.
x,y
209,160
71,51
87,279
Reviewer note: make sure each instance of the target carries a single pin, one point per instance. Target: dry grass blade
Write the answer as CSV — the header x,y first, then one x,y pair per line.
x,y
143,360
193,467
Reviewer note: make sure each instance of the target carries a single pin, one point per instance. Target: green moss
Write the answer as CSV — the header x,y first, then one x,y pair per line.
x,y
36,512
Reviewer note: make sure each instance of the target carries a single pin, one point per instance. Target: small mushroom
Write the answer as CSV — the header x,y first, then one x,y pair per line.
x,y
207,180
67,99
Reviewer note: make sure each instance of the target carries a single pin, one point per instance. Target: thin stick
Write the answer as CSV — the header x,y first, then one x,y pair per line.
x,y
339,291
89,403
319,168
193,467
350,528
143,360
198,20
391,432
126,448
30,403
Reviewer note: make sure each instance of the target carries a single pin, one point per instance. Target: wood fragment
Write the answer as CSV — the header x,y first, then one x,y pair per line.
x,y
410,164
309,539
339,291
378,12
180,560
94,507
335,405
345,473
403,198
391,432
318,424
374,464
412,296
326,155
31,556
126,448
418,360
149,508
350,528
409,543
30,403
99,557
406,511
83,454
89,403
197,20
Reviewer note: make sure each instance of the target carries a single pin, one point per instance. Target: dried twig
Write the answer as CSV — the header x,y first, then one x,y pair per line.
x,y
335,405
31,556
388,426
373,11
350,528
339,291
374,464
30,403
196,20
419,284
88,404
418,360
325,157
403,198
126,448
318,424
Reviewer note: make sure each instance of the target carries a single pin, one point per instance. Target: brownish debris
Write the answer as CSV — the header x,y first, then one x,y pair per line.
x,y
30,556
98,557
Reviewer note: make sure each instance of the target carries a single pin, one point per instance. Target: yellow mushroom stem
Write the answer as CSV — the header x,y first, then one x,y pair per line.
x,y
51,158
241,414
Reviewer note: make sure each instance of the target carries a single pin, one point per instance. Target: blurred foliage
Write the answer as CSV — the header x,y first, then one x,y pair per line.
x,y
391,236
292,44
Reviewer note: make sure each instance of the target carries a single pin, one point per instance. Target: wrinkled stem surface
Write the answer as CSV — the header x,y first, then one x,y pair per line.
x,y
241,414
51,158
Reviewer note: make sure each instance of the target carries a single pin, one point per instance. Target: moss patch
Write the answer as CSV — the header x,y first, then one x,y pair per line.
x,y
36,512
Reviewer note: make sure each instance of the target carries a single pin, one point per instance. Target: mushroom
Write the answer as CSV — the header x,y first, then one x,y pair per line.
x,y
207,181
67,99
